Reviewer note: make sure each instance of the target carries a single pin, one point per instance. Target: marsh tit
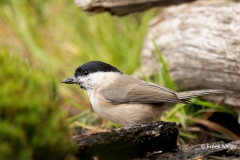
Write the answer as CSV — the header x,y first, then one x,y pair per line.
x,y
124,99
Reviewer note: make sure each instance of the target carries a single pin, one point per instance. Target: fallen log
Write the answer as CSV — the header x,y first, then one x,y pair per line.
x,y
148,141
128,142
123,7
200,42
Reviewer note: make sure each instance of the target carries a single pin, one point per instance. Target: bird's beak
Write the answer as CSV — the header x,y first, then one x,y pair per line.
x,y
70,80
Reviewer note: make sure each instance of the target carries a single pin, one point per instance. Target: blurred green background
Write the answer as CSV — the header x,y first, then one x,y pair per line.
x,y
42,42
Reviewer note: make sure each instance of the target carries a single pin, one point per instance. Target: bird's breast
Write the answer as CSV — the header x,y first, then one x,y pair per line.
x,y
125,114
94,101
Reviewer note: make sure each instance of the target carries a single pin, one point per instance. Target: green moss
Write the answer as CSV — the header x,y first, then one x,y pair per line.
x,y
31,124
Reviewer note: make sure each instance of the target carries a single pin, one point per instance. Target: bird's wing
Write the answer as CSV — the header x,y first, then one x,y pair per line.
x,y
133,90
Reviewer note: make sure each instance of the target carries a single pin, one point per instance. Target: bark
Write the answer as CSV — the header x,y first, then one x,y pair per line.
x,y
201,43
123,7
148,141
128,142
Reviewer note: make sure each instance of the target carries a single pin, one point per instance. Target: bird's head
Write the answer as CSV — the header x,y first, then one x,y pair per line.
x,y
90,74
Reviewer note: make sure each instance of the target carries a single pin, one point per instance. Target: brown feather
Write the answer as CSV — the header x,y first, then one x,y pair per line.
x,y
133,90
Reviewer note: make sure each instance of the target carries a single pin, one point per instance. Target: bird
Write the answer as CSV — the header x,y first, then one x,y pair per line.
x,y
124,99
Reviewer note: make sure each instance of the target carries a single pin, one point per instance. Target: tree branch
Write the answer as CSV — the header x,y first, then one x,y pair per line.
x,y
124,7
129,142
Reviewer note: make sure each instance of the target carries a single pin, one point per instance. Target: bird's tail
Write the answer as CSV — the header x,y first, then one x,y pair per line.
x,y
191,94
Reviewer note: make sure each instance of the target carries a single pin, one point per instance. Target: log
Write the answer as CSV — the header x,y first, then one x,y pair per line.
x,y
128,142
148,141
123,7
201,43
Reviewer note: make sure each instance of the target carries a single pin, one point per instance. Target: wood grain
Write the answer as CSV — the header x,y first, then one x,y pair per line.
x,y
201,43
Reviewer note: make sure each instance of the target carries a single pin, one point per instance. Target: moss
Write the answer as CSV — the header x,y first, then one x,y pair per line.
x,y
31,124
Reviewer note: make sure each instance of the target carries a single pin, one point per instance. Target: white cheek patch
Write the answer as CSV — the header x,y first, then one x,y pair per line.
x,y
89,81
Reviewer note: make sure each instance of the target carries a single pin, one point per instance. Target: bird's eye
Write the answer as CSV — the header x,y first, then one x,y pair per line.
x,y
85,72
